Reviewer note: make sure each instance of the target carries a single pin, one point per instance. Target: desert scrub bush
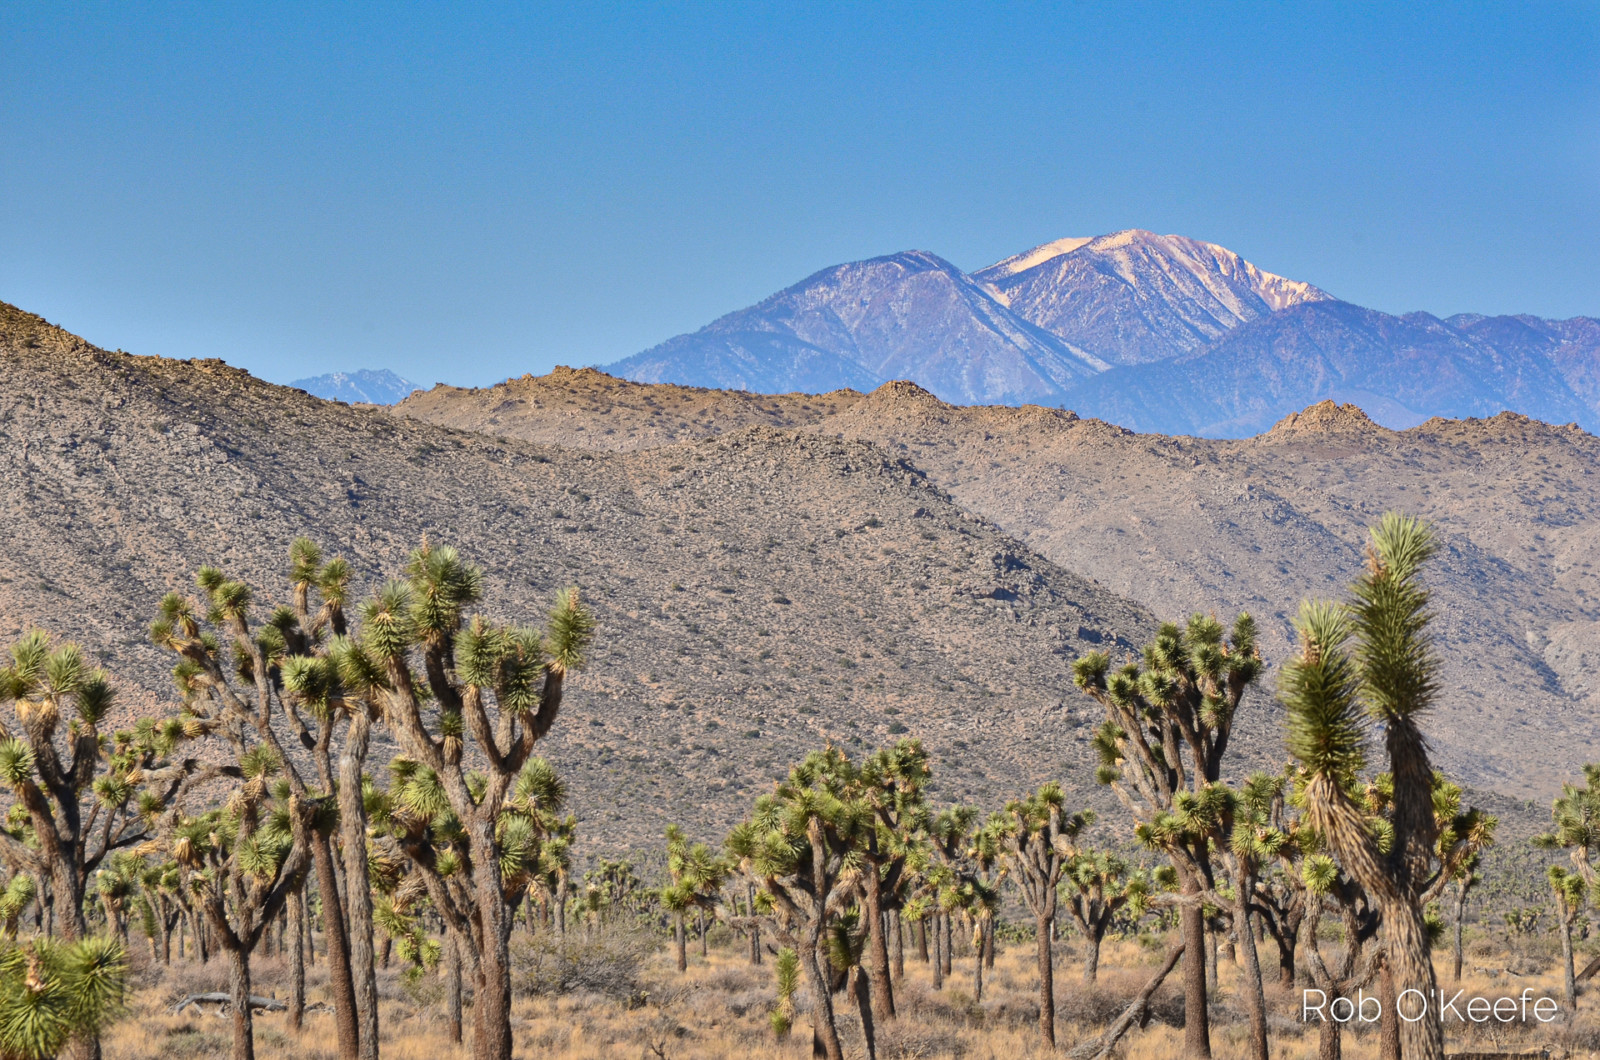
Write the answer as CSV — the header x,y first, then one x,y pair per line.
x,y
605,961
904,1040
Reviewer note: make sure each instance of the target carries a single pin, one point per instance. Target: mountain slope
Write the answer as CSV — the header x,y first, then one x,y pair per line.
x,y
381,387
1402,370
859,324
1197,339
757,594
1184,524
1133,297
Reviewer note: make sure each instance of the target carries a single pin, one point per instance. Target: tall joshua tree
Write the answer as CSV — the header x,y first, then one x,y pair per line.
x,y
1570,892
1575,816
1372,661
890,783
85,796
241,862
1040,839
502,688
243,679
1169,718
797,844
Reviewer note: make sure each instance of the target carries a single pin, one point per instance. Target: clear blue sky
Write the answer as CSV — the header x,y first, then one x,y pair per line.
x,y
462,193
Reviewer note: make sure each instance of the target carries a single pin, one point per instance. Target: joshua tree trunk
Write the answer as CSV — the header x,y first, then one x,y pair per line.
x,y
297,961
899,946
755,925
1461,911
491,982
938,955
346,1027
1254,998
946,945
1569,982
988,944
977,969
701,926
1091,961
358,896
562,887
244,1040
1329,1046
452,986
1286,946
822,1018
863,996
1047,983
1389,1021
1196,1025
921,929
878,948
678,936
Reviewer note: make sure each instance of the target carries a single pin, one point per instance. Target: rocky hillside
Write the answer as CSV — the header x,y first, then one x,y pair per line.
x,y
759,593
1185,523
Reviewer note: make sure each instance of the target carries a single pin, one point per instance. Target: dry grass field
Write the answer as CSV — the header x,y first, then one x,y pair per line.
x,y
641,1008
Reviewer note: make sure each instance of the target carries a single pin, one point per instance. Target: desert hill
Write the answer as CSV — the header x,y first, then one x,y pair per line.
x,y
1187,523
758,593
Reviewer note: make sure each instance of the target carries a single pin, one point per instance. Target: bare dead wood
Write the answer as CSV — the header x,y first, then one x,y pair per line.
x,y
1136,1012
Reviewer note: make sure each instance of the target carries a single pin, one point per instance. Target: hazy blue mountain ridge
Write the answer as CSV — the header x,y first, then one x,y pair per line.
x,y
368,386
1157,333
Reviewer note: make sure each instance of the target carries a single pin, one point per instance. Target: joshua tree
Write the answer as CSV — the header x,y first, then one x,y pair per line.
x,y
1333,690
1465,879
1254,841
949,835
695,878
1569,891
55,993
890,782
797,844
159,885
242,678
1575,815
1095,887
1168,721
85,796
241,862
1326,887
499,686
1039,841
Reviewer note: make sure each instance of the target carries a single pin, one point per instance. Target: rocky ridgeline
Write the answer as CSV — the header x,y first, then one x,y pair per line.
x,y
759,593
1182,524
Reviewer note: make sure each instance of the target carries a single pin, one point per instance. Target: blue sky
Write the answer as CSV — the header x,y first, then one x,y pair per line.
x,y
463,193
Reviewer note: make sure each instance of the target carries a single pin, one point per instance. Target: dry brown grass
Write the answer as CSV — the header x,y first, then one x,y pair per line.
x,y
718,1011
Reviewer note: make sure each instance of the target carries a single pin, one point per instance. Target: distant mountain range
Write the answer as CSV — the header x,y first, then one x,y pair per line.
x,y
381,387
1157,333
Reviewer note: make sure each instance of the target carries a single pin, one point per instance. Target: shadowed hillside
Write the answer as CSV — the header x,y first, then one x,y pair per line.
x,y
1257,524
758,594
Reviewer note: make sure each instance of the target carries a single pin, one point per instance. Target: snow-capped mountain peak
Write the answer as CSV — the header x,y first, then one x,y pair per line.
x,y
1135,296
